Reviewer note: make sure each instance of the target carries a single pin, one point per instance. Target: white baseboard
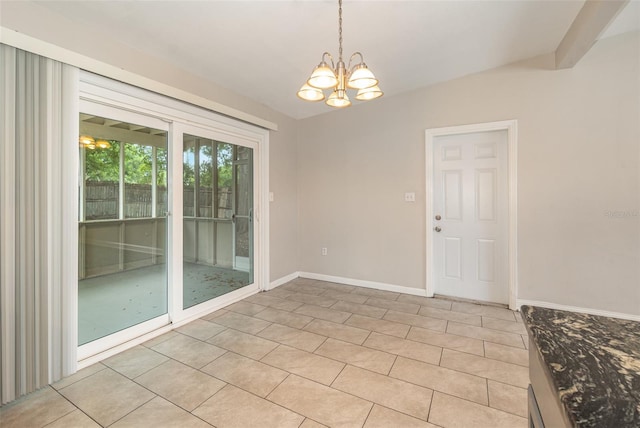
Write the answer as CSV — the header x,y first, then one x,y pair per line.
x,y
365,284
520,302
280,281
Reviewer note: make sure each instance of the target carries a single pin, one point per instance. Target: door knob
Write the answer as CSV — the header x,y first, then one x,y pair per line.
x,y
438,217
437,229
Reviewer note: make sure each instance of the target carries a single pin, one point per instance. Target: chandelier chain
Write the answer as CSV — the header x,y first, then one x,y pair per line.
x,y
340,30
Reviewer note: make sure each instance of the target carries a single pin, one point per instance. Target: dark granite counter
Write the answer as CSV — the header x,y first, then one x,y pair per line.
x,y
593,363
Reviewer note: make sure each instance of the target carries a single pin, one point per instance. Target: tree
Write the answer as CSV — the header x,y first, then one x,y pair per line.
x,y
161,155
138,164
225,165
103,165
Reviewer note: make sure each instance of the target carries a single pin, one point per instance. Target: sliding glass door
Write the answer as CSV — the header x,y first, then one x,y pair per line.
x,y
217,223
167,224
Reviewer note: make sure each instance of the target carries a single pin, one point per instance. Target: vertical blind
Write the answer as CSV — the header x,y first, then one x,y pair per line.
x,y
38,211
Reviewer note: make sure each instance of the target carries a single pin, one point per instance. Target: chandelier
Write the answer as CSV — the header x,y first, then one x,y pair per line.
x,y
340,78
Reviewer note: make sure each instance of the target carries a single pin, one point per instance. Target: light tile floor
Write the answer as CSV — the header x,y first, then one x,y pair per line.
x,y
307,354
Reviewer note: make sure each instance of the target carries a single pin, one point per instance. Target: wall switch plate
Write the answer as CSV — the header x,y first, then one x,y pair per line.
x,y
410,197
324,251
270,196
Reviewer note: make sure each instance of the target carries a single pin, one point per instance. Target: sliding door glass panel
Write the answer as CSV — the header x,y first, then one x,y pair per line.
x,y
101,177
138,168
205,190
122,226
243,209
210,225
224,180
161,195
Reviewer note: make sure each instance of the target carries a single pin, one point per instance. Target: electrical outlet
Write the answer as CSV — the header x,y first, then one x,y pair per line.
x,y
410,197
324,251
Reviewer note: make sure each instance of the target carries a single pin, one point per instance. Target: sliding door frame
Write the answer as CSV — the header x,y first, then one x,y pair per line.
x,y
179,129
112,112
180,116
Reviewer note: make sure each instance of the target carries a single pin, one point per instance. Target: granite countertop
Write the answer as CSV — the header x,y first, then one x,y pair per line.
x,y
593,362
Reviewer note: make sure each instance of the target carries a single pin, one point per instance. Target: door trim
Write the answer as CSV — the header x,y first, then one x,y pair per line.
x,y
511,126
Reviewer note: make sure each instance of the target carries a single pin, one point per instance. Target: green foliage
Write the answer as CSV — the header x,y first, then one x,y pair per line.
x,y
225,162
103,165
188,172
206,169
138,164
162,164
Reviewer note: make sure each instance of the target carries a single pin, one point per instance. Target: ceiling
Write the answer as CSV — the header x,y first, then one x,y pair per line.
x,y
265,50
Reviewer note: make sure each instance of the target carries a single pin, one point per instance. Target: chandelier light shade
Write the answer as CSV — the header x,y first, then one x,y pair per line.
x,y
338,77
309,93
367,94
339,99
323,77
361,77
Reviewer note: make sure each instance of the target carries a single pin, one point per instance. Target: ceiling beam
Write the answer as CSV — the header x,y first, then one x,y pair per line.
x,y
594,17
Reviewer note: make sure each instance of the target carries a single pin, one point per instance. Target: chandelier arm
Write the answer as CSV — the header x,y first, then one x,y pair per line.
x,y
327,54
350,59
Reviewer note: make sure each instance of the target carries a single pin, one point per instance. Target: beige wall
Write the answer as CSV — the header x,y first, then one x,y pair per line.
x,y
578,159
283,182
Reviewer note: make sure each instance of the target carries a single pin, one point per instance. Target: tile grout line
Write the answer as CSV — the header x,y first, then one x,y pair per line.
x,y
166,398
488,407
142,404
502,410
70,402
261,398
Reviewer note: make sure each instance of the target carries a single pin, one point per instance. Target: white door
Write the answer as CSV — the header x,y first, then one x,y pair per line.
x,y
470,206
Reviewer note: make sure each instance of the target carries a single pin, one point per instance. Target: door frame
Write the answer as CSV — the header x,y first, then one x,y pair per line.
x,y
511,126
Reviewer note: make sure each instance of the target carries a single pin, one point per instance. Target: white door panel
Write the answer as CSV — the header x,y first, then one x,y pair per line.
x,y
452,258
452,197
471,212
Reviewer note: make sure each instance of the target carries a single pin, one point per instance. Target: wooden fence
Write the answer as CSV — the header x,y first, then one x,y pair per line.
x,y
102,200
